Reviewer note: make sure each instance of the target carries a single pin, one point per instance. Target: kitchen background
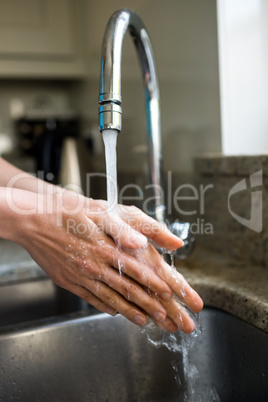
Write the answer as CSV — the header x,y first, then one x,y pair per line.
x,y
212,62
211,59
50,57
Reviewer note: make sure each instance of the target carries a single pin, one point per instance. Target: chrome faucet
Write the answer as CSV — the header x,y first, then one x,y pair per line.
x,y
110,111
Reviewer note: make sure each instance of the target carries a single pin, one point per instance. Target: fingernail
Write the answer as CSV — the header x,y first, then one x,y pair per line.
x,y
165,296
159,316
111,311
139,319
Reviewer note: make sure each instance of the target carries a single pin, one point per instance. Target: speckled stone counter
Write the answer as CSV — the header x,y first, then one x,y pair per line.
x,y
236,165
239,289
236,205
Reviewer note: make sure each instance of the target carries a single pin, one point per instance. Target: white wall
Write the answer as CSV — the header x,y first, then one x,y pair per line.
x,y
243,49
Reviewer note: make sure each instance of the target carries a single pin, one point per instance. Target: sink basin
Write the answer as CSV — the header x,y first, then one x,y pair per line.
x,y
36,299
103,358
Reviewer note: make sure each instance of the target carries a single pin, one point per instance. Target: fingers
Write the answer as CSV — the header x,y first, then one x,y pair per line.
x,y
91,299
147,268
108,300
148,260
142,265
122,234
180,287
130,290
104,252
141,273
179,316
113,299
149,227
137,220
168,325
174,279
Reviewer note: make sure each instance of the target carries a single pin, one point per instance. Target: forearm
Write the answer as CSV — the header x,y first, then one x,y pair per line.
x,y
19,212
11,203
6,217
11,176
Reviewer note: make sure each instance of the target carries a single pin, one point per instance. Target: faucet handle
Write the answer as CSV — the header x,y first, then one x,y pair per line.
x,y
183,231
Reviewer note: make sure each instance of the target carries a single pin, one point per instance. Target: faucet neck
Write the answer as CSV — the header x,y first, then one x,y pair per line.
x,y
110,90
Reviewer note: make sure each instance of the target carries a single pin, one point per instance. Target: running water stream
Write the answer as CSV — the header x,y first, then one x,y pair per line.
x,y
110,140
186,374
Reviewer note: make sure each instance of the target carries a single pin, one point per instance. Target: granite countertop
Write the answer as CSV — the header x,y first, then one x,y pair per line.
x,y
223,283
240,289
233,165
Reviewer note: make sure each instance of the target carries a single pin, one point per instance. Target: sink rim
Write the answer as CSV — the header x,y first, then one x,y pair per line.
x,y
76,353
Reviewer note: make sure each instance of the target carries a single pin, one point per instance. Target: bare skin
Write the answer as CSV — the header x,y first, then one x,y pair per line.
x,y
106,259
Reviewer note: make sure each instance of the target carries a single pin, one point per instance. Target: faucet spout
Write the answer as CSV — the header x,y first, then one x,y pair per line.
x,y
110,112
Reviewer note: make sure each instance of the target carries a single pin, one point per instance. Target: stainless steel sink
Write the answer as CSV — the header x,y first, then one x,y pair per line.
x,y
32,300
103,358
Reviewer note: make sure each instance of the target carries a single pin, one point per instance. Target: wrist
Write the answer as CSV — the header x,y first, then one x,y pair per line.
x,y
17,207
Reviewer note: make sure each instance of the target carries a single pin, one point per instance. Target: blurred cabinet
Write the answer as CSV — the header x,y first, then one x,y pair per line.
x,y
41,38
